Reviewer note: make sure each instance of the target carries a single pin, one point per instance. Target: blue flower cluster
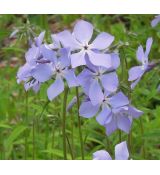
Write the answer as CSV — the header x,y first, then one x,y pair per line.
x,y
59,62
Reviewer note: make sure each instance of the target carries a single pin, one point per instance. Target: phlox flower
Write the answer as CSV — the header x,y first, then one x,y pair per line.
x,y
113,112
58,69
136,72
82,48
92,77
103,109
37,54
121,119
121,153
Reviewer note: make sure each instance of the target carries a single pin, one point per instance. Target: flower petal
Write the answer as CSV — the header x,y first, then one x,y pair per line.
x,y
134,112
71,78
140,54
99,59
121,151
83,31
102,41
47,53
135,83
42,72
67,40
84,77
39,39
95,93
64,57
56,42
31,55
78,59
110,81
55,89
111,127
135,73
87,110
24,72
148,47
104,116
124,123
115,61
118,100
101,155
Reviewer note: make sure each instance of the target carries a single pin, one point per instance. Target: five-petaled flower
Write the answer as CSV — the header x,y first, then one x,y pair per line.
x,y
84,51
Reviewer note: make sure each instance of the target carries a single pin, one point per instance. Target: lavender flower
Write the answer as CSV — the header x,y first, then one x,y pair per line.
x,y
114,112
42,64
93,77
107,103
155,21
83,50
135,73
121,153
122,119
36,55
59,69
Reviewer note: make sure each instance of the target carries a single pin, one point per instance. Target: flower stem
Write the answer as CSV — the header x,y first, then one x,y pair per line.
x,y
130,142
64,122
79,125
108,146
70,148
72,134
26,131
120,136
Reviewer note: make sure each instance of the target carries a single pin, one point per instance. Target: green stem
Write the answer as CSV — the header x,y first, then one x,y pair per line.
x,y
79,125
70,149
142,133
72,134
26,131
129,97
108,146
130,142
64,122
120,136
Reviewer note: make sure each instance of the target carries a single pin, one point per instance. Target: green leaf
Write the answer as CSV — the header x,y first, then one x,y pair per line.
x,y
2,125
14,135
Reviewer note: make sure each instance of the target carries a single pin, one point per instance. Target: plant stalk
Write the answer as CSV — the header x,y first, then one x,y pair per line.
x,y
79,125
26,131
64,122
